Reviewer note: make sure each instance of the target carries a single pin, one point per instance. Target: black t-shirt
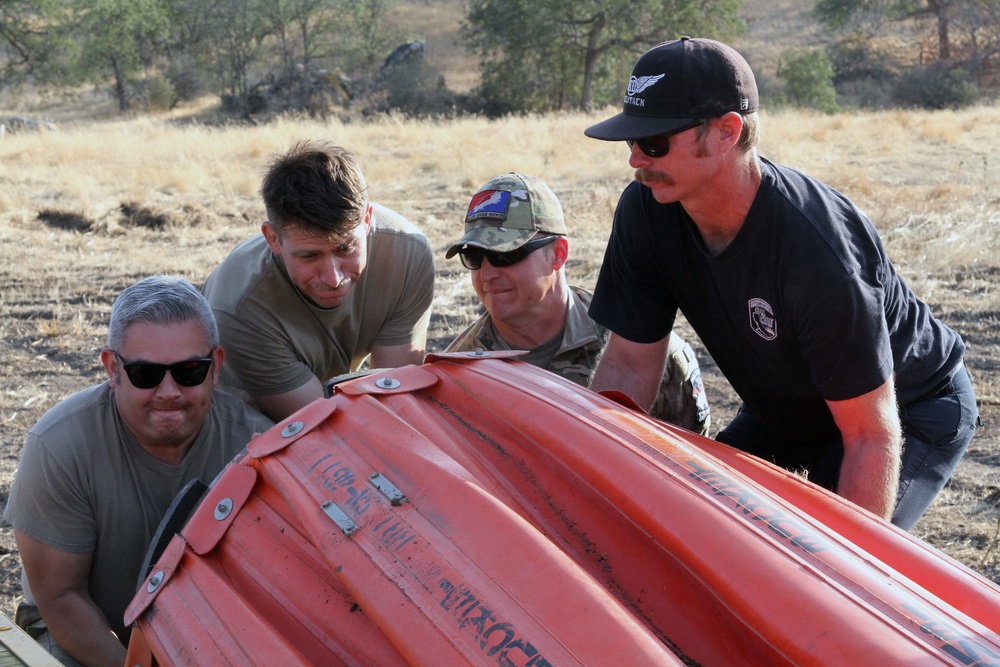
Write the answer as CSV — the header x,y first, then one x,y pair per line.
x,y
803,306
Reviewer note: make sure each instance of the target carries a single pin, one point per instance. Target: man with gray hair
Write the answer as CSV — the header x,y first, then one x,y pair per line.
x,y
516,248
100,469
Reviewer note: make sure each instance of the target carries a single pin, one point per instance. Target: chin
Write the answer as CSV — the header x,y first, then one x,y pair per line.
x,y
329,299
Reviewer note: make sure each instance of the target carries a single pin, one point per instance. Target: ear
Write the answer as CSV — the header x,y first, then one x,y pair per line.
x,y
729,126
217,358
369,214
560,252
110,362
271,236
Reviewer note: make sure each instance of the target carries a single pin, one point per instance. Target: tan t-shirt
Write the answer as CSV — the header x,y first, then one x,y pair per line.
x,y
85,484
275,339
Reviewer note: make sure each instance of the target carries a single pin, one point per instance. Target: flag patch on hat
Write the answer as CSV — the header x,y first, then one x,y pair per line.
x,y
488,204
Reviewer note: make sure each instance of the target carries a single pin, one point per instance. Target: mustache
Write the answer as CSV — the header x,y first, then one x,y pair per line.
x,y
328,288
647,176
168,406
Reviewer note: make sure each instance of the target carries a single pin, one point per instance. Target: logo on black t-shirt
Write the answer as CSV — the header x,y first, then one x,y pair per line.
x,y
762,319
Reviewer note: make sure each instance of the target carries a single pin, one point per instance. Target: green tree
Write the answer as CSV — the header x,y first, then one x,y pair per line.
x,y
839,13
303,31
34,43
117,38
552,54
966,33
237,42
808,77
363,37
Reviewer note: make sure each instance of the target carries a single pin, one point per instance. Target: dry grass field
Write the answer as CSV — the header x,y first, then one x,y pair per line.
x,y
102,202
92,207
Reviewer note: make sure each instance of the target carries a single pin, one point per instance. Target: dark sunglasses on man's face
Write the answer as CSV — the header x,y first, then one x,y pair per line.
x,y
659,145
472,257
188,373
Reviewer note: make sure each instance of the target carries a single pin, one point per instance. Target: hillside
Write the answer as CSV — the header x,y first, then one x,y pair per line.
x,y
771,27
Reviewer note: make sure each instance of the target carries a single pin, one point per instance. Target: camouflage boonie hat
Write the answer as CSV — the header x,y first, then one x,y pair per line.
x,y
506,212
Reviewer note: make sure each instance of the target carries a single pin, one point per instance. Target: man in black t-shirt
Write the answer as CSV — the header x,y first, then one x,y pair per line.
x,y
843,372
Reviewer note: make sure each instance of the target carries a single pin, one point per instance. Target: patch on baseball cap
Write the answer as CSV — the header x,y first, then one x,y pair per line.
x,y
507,212
677,82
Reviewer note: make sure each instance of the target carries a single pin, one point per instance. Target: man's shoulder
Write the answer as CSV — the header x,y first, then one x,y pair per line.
x,y
243,271
74,414
232,410
387,221
469,339
581,328
397,243
584,296
811,197
252,249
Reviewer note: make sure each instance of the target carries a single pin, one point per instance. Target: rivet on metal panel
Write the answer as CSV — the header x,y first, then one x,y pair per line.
x,y
388,489
343,521
155,581
291,429
387,383
223,509
479,353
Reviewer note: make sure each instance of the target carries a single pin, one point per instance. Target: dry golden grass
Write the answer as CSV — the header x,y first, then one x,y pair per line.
x,y
74,202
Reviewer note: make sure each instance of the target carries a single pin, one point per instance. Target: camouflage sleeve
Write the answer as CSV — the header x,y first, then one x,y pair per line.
x,y
681,399
577,365
468,340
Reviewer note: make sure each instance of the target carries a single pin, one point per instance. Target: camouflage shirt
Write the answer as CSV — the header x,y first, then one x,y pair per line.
x,y
681,399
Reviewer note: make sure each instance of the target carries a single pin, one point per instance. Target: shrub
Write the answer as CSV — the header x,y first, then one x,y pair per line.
x,y
161,92
808,77
188,77
935,87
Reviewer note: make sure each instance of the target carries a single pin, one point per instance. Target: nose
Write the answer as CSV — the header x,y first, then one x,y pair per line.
x,y
167,386
637,158
332,273
487,270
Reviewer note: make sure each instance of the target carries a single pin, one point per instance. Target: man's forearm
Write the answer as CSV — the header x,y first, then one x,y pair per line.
x,y
80,629
869,475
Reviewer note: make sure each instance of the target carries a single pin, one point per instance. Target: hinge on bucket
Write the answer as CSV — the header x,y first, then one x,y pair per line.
x,y
388,489
344,522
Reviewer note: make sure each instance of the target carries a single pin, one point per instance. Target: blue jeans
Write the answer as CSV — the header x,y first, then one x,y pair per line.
x,y
936,432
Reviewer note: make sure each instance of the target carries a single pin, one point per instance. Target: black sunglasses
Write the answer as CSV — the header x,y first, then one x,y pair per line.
x,y
188,373
472,257
659,145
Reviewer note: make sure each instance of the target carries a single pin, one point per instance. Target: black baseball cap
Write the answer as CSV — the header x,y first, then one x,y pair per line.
x,y
677,82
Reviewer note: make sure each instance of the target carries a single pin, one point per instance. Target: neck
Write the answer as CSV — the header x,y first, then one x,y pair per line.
x,y
540,326
719,219
171,455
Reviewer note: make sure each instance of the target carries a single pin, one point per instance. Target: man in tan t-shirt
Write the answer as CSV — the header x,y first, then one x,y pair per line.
x,y
331,281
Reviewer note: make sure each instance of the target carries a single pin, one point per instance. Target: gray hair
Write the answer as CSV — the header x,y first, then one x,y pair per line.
x,y
160,300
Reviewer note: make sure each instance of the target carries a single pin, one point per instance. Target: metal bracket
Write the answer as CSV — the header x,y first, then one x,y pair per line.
x,y
343,521
388,489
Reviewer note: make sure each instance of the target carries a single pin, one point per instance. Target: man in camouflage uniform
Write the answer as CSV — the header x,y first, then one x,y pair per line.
x,y
516,247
